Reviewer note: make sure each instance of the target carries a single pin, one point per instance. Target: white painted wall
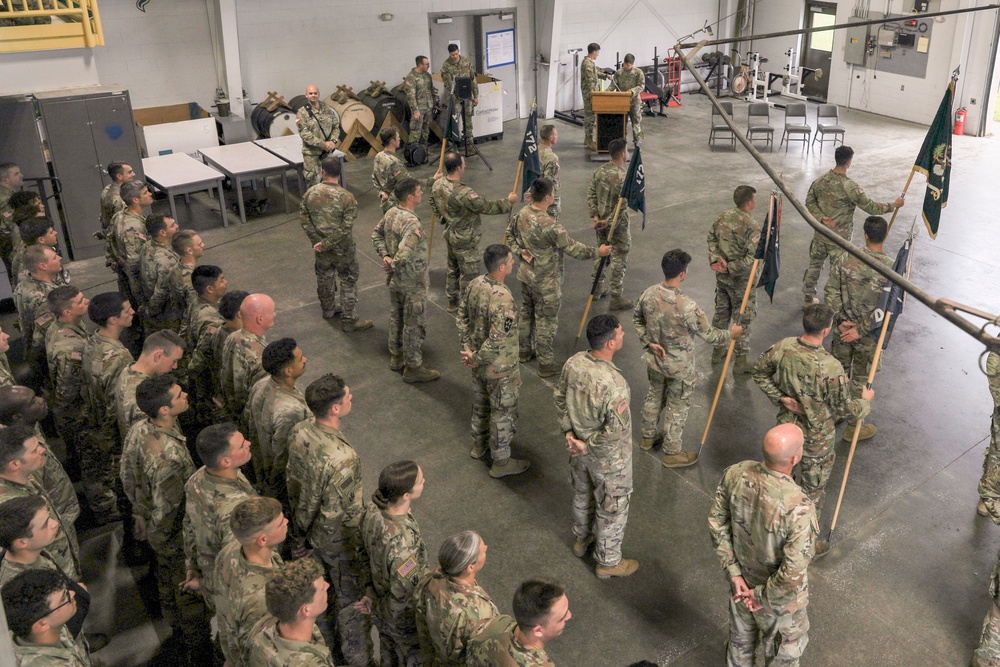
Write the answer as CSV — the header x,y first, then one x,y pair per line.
x,y
44,70
627,27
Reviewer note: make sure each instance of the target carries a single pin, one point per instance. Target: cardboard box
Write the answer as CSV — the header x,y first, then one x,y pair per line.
x,y
177,128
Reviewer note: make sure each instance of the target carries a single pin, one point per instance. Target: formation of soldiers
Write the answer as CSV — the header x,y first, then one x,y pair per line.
x,y
186,423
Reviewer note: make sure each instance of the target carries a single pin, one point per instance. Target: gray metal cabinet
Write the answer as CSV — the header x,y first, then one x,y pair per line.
x,y
86,129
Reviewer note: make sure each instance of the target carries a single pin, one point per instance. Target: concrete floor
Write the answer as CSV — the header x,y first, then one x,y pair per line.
x,y
905,582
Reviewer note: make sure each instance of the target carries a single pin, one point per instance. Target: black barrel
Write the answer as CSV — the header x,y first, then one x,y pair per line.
x,y
382,106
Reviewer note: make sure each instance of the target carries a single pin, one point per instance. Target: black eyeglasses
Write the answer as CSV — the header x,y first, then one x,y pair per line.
x,y
67,598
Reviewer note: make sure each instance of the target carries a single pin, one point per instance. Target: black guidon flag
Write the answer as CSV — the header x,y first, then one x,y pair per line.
x,y
768,248
634,186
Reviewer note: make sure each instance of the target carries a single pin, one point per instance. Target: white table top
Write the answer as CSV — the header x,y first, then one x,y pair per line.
x,y
288,147
243,158
177,169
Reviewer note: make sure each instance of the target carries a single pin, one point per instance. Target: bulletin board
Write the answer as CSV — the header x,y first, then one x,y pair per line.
x,y
500,48
908,60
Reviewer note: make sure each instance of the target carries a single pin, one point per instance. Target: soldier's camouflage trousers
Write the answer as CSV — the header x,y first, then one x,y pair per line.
x,y
310,169
539,318
406,326
988,652
494,411
783,636
329,266
619,256
989,483
420,127
818,456
819,250
635,115
185,611
728,297
98,467
346,628
856,358
589,125
672,398
463,268
600,506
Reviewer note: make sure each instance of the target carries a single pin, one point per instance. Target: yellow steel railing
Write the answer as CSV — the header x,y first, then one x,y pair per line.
x,y
39,25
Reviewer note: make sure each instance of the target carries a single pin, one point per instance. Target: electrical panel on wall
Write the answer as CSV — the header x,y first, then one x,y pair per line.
x,y
900,47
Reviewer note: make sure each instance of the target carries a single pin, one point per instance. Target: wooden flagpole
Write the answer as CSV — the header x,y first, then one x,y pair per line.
x,y
857,429
729,353
600,272
905,188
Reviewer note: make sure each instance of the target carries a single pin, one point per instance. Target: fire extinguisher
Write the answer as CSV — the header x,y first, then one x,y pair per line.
x,y
960,121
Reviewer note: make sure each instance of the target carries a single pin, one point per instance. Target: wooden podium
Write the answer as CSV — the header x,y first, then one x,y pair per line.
x,y
611,114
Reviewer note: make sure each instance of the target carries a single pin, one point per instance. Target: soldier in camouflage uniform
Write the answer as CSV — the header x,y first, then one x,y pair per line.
x,y
398,558
160,354
320,460
987,654
388,169
6,375
548,137
631,79
287,616
589,82
111,203
22,460
274,407
28,529
487,325
104,357
20,405
732,243
154,466
36,230
400,241
541,242
421,98
41,642
11,180
456,66
602,199
33,310
189,247
205,368
327,215
64,344
450,604
809,386
162,307
461,207
832,199
210,495
667,320
592,399
127,235
541,611
853,291
241,353
765,532
319,129
242,569
989,484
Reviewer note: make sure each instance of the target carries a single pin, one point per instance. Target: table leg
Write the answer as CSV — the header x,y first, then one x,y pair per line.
x,y
222,205
173,206
239,198
284,187
302,182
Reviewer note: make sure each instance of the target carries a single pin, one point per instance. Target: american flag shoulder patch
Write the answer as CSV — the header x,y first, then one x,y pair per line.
x,y
407,567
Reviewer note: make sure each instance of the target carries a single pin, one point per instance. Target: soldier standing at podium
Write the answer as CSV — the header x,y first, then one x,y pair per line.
x,y
630,79
589,75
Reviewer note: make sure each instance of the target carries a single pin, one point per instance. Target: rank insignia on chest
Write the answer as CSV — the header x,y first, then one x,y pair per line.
x,y
406,568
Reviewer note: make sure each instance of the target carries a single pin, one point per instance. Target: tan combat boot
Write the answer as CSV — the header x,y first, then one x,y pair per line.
x,y
479,451
582,545
420,374
867,432
625,568
509,467
648,443
679,460
981,508
356,325
620,303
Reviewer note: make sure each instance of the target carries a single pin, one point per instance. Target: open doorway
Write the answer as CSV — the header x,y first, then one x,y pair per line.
x,y
818,48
